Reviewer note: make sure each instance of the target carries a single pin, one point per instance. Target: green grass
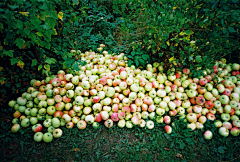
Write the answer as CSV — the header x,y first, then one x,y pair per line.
x,y
119,144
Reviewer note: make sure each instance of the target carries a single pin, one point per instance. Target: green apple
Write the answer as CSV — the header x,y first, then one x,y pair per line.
x,y
33,120
21,109
15,128
34,111
47,137
95,125
25,122
15,121
38,137
50,129
12,103
56,122
47,123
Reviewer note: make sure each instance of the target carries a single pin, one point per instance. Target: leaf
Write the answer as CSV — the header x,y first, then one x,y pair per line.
x,y
8,53
231,29
75,2
39,67
50,22
44,6
50,60
60,15
19,42
14,61
13,7
221,149
26,31
47,67
34,62
39,34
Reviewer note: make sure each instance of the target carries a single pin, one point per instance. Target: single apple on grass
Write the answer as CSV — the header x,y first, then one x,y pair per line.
x,y
207,135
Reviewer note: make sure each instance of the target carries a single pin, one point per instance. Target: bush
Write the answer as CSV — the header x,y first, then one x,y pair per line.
x,y
177,32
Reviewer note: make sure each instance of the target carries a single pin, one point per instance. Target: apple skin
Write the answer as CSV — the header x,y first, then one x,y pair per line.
x,y
223,131
15,128
47,137
38,136
95,125
235,131
167,119
168,129
25,122
37,128
108,123
191,117
57,133
150,124
82,124
56,122
207,135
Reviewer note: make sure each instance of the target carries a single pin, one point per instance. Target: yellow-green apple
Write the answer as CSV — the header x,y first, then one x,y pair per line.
x,y
207,135
38,136
223,131
47,137
57,133
150,124
15,128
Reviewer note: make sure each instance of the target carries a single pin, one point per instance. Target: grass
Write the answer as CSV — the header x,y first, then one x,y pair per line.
x,y
119,144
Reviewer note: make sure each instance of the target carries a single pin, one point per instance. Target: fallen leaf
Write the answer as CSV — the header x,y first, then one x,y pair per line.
x,y
179,155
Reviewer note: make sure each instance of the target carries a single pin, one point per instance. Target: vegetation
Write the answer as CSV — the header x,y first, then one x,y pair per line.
x,y
37,36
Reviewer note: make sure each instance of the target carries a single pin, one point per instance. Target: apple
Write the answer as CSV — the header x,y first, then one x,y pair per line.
x,y
56,122
225,117
224,99
37,128
223,131
191,117
167,119
81,124
50,129
15,128
47,137
57,133
202,119
150,124
235,131
108,123
167,128
25,122
192,125
207,135
38,136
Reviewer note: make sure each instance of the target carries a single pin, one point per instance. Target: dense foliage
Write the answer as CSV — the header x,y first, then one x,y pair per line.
x,y
37,35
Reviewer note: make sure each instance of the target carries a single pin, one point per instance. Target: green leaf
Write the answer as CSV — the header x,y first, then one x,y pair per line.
x,y
26,31
13,7
50,22
231,29
39,67
14,61
34,62
50,60
75,1
43,7
8,53
47,67
19,24
19,42
221,149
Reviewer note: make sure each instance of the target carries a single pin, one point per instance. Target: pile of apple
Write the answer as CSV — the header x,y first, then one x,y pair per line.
x,y
107,90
